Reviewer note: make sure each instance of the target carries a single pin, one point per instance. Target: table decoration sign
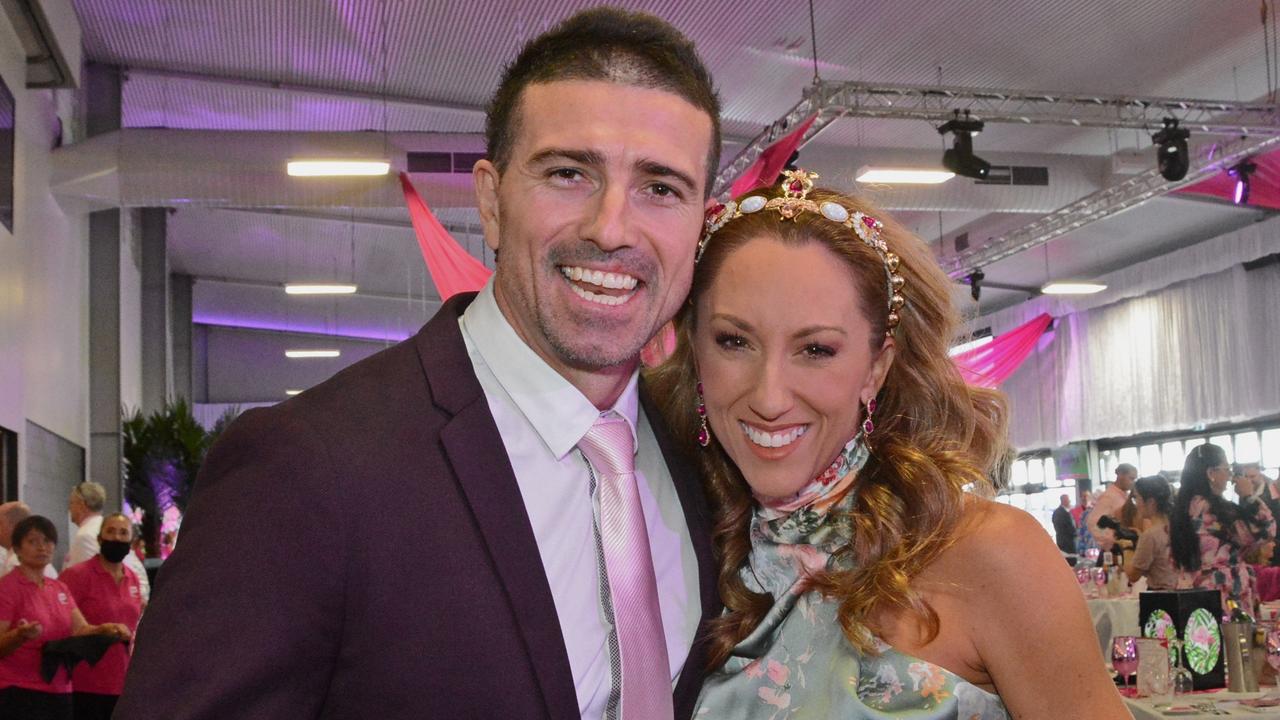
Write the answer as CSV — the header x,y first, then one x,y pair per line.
x,y
1192,616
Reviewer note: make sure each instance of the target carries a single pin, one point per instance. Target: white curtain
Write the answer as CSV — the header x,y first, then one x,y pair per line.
x,y
1187,338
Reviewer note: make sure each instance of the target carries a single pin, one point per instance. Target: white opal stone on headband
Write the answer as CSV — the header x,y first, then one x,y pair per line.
x,y
834,211
755,203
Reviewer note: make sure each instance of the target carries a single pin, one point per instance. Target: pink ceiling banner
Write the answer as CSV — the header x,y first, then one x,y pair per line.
x,y
991,364
452,268
1264,185
765,170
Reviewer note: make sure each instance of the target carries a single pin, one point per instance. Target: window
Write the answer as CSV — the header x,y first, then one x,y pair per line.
x,y
1172,456
1018,475
1150,460
1051,473
1224,442
1247,448
1271,447
1035,471
1127,455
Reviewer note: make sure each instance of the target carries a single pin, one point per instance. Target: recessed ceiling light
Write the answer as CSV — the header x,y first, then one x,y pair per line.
x,y
1072,288
296,289
903,176
291,393
312,353
329,168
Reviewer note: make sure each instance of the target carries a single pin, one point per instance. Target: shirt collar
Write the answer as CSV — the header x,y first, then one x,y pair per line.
x,y
558,412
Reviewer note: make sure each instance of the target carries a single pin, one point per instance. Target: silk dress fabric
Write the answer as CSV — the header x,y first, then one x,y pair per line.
x,y
797,664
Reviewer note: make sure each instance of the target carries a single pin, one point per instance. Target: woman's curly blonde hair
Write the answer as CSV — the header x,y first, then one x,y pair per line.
x,y
935,436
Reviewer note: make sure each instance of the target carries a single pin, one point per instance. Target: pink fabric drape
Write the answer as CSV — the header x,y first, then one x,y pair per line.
x,y
453,269
991,364
767,167
1264,186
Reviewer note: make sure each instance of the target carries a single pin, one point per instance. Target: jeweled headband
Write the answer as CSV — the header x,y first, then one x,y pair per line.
x,y
795,186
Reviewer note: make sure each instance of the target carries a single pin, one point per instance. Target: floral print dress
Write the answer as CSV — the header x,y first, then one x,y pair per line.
x,y
1223,551
797,664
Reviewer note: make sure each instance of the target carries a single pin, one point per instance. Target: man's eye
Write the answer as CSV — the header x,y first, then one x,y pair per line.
x,y
566,173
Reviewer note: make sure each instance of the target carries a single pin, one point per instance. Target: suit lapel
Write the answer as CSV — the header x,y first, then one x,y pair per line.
x,y
689,489
484,474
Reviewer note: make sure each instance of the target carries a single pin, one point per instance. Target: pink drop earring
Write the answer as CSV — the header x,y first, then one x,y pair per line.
x,y
704,433
869,427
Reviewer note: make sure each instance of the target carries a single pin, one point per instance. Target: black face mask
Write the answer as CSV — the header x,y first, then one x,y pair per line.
x,y
114,550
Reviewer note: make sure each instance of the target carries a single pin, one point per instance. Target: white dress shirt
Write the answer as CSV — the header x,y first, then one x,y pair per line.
x,y
541,418
84,545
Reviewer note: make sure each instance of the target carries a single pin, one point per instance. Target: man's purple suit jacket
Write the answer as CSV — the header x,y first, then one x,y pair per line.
x,y
362,551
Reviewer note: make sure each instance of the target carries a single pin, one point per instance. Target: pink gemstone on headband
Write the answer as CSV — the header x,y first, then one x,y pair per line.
x,y
715,210
869,221
795,186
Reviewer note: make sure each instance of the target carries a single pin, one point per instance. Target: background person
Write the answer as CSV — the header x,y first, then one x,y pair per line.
x,y
1208,535
35,610
12,513
859,577
1152,558
1110,503
1064,528
106,591
85,504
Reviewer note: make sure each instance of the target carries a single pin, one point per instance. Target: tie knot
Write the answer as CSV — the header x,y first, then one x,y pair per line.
x,y
609,446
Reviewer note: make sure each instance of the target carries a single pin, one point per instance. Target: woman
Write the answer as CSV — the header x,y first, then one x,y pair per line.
x,y
1208,534
839,442
1151,559
105,590
35,610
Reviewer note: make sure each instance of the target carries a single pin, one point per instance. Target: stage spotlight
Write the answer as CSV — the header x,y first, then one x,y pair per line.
x,y
975,279
1171,150
1243,173
960,159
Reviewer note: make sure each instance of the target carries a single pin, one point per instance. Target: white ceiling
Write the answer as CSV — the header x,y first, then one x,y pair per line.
x,y
319,65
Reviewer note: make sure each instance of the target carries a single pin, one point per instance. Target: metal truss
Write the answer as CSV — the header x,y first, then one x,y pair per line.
x,y
938,103
1252,128
1105,202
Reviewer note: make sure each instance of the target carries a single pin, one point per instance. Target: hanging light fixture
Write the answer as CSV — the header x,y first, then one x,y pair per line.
x,y
1243,173
1171,150
960,159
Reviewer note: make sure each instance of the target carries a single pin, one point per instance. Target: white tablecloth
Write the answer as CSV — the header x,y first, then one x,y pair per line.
x,y
1144,709
1113,617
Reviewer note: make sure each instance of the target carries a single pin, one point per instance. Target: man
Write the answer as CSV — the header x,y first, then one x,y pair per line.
x,y
1064,528
491,449
85,507
1110,503
1264,487
12,513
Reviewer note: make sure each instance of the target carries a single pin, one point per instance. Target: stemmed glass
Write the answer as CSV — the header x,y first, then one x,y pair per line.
x,y
1183,682
1124,656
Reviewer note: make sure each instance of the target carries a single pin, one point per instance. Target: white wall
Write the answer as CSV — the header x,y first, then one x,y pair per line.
x,y
43,279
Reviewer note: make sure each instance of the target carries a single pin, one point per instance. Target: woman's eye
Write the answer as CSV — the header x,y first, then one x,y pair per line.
x,y
730,341
817,351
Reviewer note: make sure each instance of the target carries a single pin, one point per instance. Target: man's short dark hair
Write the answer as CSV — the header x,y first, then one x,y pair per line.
x,y
33,522
610,44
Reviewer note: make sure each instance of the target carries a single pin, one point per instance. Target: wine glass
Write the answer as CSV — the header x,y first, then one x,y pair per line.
x,y
1273,651
1124,656
1183,682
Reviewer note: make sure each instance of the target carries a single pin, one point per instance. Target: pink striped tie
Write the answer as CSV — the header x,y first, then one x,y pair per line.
x,y
646,675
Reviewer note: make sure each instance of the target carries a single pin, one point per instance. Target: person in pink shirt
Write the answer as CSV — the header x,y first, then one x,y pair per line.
x,y
106,591
35,610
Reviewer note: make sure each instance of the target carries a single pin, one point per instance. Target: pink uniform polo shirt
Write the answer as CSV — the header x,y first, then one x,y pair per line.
x,y
102,600
50,605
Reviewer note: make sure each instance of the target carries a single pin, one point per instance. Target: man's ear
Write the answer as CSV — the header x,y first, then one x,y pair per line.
x,y
486,178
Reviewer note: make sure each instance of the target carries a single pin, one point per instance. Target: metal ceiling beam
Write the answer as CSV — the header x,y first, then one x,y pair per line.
x,y
1105,203
938,103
